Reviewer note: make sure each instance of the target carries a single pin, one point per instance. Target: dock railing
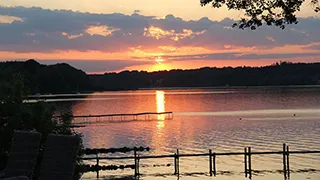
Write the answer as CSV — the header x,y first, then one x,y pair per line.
x,y
212,159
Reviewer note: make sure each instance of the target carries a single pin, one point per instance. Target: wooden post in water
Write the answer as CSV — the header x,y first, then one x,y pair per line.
x,y
210,162
138,165
249,159
135,163
97,165
175,163
245,162
284,161
288,162
214,164
178,163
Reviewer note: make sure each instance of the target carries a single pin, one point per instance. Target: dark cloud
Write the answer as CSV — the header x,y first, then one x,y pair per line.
x,y
236,56
42,31
313,47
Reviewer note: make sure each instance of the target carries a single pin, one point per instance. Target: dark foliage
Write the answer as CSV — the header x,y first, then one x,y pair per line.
x,y
259,12
17,115
58,78
93,168
279,74
283,73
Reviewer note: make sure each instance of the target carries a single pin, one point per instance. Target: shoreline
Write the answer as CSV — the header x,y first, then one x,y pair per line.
x,y
174,88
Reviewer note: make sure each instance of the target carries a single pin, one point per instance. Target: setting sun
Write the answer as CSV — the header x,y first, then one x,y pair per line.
x,y
160,64
159,60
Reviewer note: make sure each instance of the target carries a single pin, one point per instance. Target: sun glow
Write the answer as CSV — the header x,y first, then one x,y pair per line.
x,y
160,100
159,60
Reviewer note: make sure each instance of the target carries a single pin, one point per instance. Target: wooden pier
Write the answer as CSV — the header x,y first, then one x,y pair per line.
x,y
212,159
87,119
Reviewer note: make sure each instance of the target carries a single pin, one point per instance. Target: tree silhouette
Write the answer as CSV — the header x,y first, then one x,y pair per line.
x,y
259,12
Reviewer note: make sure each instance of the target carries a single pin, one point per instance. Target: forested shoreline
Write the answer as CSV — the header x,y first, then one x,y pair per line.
x,y
63,78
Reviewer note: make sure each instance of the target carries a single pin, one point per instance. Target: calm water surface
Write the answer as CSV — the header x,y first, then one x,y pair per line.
x,y
221,120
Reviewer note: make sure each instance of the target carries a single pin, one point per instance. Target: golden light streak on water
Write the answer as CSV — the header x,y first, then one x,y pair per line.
x,y
160,102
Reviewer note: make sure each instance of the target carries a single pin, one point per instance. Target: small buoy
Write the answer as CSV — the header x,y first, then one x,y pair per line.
x,y
294,114
240,118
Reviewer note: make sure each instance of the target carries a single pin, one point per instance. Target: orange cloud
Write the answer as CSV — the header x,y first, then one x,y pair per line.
x,y
9,19
101,30
71,36
64,55
158,33
168,48
141,52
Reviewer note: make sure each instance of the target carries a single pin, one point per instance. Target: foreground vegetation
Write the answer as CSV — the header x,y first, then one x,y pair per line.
x,y
16,115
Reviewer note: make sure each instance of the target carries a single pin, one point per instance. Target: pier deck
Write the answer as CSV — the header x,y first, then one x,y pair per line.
x,y
87,119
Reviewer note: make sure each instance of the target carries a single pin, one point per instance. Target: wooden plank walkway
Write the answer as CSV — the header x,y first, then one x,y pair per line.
x,y
212,159
87,119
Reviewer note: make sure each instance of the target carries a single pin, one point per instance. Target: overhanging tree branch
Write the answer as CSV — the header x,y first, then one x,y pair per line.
x,y
259,12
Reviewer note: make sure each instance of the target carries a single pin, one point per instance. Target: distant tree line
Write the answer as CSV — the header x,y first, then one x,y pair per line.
x,y
63,78
278,74
58,78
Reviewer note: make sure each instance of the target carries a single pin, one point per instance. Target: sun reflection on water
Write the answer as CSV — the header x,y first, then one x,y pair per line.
x,y
159,135
160,101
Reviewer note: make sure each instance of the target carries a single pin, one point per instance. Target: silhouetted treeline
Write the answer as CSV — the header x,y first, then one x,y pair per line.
x,y
283,73
63,78
58,78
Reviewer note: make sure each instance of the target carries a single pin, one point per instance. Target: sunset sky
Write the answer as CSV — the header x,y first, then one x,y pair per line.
x,y
103,35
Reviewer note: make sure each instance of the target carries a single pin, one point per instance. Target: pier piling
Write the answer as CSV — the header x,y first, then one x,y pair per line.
x,y
249,162
214,164
210,162
288,168
135,164
245,163
284,161
97,165
176,163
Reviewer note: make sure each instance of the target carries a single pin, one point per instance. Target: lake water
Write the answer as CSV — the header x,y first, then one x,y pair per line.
x,y
224,120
